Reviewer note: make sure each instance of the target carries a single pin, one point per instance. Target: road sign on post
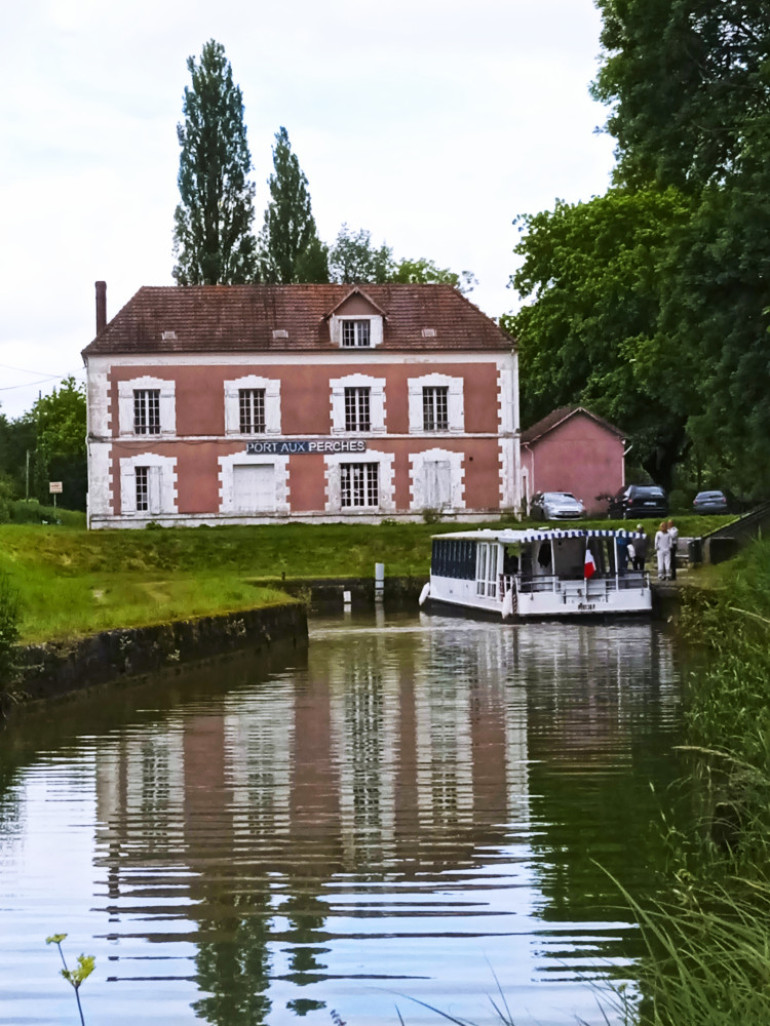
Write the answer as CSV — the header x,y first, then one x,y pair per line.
x,y
55,488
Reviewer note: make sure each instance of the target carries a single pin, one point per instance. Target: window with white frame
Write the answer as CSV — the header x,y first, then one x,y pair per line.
x,y
147,406
148,484
357,409
356,333
253,406
436,404
359,485
146,411
251,409
358,404
142,476
435,408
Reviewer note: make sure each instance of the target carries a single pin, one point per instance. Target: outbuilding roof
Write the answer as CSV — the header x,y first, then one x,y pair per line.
x,y
286,318
558,417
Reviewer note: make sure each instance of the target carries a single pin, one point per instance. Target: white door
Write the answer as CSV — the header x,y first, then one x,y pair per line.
x,y
253,487
437,480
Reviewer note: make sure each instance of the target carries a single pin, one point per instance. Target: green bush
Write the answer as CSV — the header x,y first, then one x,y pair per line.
x,y
30,511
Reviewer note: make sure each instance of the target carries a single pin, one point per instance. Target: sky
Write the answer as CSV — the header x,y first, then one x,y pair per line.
x,y
430,123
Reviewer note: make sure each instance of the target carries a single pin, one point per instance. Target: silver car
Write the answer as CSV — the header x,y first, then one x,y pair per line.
x,y
557,506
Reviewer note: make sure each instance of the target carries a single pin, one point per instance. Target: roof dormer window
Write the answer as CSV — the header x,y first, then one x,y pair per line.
x,y
356,333
356,322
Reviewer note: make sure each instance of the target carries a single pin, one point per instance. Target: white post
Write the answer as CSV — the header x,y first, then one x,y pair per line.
x,y
379,580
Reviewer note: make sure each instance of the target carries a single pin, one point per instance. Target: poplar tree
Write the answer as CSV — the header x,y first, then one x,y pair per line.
x,y
213,241
290,250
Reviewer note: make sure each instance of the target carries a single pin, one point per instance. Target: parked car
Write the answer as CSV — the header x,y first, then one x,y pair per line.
x,y
557,506
710,502
636,501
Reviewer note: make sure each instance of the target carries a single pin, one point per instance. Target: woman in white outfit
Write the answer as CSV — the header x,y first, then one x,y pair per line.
x,y
663,552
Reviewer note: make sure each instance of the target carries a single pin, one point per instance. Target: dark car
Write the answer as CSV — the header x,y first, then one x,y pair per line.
x,y
710,502
557,506
635,501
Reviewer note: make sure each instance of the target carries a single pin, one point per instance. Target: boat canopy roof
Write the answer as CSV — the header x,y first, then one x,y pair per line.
x,y
511,535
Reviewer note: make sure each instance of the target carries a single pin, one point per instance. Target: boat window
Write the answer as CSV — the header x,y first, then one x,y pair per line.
x,y
486,569
454,558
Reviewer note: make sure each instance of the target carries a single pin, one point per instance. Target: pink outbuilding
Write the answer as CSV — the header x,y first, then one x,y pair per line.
x,y
573,450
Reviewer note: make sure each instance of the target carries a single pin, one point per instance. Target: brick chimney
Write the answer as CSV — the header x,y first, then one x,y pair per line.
x,y
101,306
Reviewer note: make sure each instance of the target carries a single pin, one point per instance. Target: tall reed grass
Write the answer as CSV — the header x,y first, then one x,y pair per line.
x,y
707,960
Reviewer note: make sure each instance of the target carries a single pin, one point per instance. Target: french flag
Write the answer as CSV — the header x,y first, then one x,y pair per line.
x,y
589,567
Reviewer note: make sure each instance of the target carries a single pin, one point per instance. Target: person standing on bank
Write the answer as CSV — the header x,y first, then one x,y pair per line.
x,y
673,533
663,551
640,548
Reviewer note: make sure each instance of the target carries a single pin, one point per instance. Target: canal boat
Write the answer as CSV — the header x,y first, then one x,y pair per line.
x,y
538,573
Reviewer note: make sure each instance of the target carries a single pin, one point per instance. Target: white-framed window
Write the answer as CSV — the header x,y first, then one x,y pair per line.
x,y
148,484
251,411
436,404
356,331
436,480
487,556
146,411
360,485
142,477
350,397
435,407
147,406
253,484
253,406
357,409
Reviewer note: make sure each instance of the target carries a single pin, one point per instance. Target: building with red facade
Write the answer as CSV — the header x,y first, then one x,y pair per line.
x,y
261,403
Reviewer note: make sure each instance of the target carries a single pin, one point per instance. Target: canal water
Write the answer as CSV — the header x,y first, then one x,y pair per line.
x,y
421,809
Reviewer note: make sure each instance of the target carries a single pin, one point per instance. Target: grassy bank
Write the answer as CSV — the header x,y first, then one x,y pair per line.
x,y
709,937
73,582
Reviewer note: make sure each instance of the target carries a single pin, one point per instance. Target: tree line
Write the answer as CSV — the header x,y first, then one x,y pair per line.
x,y
650,303
214,240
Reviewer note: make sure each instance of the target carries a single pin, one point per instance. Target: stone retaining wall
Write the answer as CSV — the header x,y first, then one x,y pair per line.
x,y
55,669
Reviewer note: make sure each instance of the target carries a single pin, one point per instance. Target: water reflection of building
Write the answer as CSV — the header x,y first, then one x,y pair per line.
x,y
394,752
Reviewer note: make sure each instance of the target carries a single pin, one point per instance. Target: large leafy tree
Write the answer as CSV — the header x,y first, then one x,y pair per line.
x,y
59,421
715,298
689,86
290,250
17,440
685,78
354,259
590,334
213,240
426,272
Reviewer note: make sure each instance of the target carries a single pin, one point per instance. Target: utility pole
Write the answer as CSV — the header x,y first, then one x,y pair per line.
x,y
26,495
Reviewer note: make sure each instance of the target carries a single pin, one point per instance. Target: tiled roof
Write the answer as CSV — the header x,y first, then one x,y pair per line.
x,y
239,318
557,417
